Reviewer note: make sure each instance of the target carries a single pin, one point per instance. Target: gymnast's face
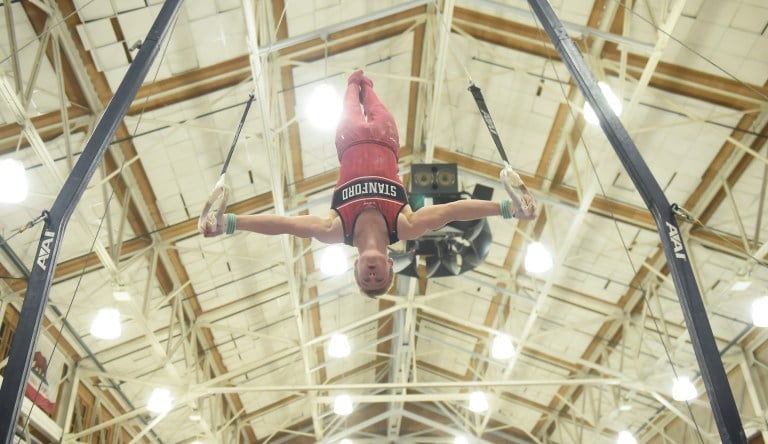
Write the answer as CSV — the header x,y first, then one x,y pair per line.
x,y
373,271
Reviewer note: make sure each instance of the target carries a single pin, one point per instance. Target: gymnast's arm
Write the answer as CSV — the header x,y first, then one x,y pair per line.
x,y
412,224
324,229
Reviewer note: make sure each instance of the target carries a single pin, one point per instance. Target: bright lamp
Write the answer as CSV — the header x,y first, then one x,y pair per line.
x,y
502,347
333,261
537,258
160,401
613,101
338,346
324,107
760,312
683,389
478,402
342,405
13,181
626,437
106,324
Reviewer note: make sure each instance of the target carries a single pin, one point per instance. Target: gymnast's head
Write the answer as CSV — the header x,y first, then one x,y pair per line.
x,y
374,272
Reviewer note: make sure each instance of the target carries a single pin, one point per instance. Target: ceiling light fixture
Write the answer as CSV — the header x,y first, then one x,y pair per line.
x,y
160,401
741,285
460,440
626,437
106,324
338,346
13,181
324,107
502,347
537,258
683,389
613,101
760,312
333,261
342,405
345,441
478,402
120,293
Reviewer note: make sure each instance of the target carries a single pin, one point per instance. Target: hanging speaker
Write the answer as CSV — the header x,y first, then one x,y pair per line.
x,y
423,178
446,178
482,192
434,179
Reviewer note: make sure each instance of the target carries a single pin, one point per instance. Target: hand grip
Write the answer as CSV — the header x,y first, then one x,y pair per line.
x,y
213,210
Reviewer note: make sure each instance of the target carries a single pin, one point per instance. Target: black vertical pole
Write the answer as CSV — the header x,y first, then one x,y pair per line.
x,y
715,379
36,298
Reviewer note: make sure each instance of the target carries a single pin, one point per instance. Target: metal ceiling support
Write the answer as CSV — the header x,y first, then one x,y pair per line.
x,y
450,411
164,355
676,11
761,205
471,353
216,408
8,10
412,397
715,379
72,54
575,27
443,20
566,244
19,107
40,149
586,194
41,276
739,222
105,197
197,390
320,32
70,398
26,96
72,333
399,354
359,323
589,194
62,101
440,426
682,415
649,68
259,74
756,395
349,431
400,369
602,35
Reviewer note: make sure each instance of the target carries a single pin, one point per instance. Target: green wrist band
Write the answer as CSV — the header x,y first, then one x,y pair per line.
x,y
505,213
231,222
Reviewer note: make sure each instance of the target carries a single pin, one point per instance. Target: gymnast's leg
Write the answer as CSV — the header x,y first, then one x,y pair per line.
x,y
352,124
383,126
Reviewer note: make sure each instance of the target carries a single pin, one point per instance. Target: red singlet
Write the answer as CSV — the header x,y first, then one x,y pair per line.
x,y
367,143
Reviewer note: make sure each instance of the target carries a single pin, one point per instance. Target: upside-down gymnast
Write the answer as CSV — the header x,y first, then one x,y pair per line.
x,y
370,207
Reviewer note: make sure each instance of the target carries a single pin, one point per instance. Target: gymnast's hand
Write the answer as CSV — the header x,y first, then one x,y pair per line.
x,y
212,221
522,200
213,224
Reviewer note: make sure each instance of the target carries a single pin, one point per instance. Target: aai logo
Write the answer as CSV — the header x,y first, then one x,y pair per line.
x,y
44,253
677,241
